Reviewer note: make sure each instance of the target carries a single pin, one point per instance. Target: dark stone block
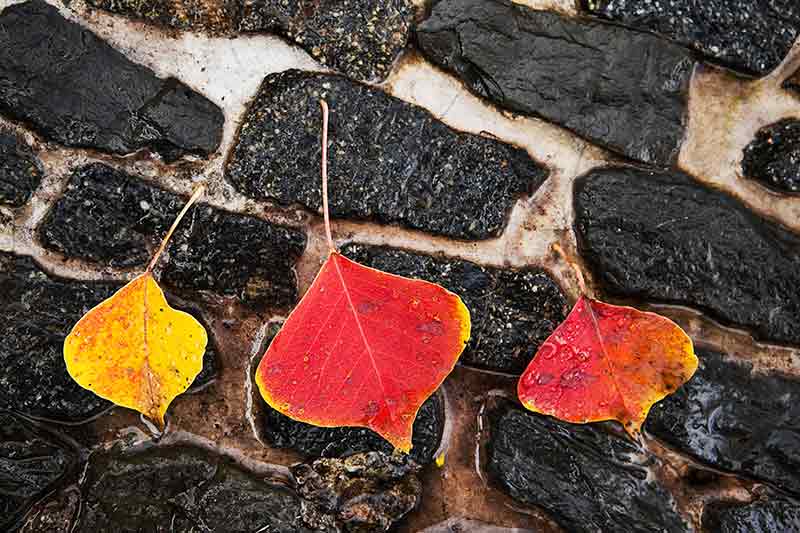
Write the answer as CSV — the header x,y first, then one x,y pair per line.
x,y
31,463
181,489
620,88
283,432
773,157
735,420
20,174
512,311
585,478
362,493
772,515
662,236
38,312
752,36
75,89
792,83
390,161
361,38
112,218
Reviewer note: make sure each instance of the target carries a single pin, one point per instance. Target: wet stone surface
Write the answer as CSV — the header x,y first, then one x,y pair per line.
x,y
38,312
75,89
762,516
362,493
181,489
512,311
751,36
361,38
619,88
113,219
281,431
735,420
434,179
20,173
585,478
31,464
773,157
661,236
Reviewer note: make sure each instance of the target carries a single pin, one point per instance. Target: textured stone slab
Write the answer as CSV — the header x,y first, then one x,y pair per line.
x,y
181,489
283,432
752,36
773,157
512,311
661,236
770,515
734,420
586,479
75,89
362,493
389,161
361,38
38,312
31,464
112,218
20,174
619,88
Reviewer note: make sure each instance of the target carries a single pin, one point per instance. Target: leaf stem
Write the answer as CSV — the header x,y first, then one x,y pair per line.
x,y
575,268
195,196
324,105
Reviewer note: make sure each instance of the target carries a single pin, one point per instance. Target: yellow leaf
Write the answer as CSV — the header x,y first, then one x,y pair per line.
x,y
135,350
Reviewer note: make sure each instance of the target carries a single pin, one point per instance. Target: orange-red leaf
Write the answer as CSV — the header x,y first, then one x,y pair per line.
x,y
607,362
364,348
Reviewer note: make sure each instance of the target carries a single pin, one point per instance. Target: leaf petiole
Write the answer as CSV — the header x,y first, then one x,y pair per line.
x,y
195,196
324,105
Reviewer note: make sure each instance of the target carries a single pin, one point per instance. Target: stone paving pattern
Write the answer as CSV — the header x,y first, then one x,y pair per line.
x,y
98,152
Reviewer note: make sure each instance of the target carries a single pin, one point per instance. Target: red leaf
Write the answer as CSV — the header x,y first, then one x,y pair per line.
x,y
364,348
607,362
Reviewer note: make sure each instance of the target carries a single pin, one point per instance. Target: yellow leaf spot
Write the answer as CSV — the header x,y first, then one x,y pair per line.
x,y
440,460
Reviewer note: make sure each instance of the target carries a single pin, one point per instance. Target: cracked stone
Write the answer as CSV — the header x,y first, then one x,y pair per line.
x,y
181,489
768,515
512,311
362,493
584,478
75,89
735,420
283,432
661,236
623,89
773,157
751,36
361,38
390,161
31,464
39,311
20,173
114,219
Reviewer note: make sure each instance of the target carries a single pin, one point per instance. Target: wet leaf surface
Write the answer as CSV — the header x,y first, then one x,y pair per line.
x,y
364,348
607,362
